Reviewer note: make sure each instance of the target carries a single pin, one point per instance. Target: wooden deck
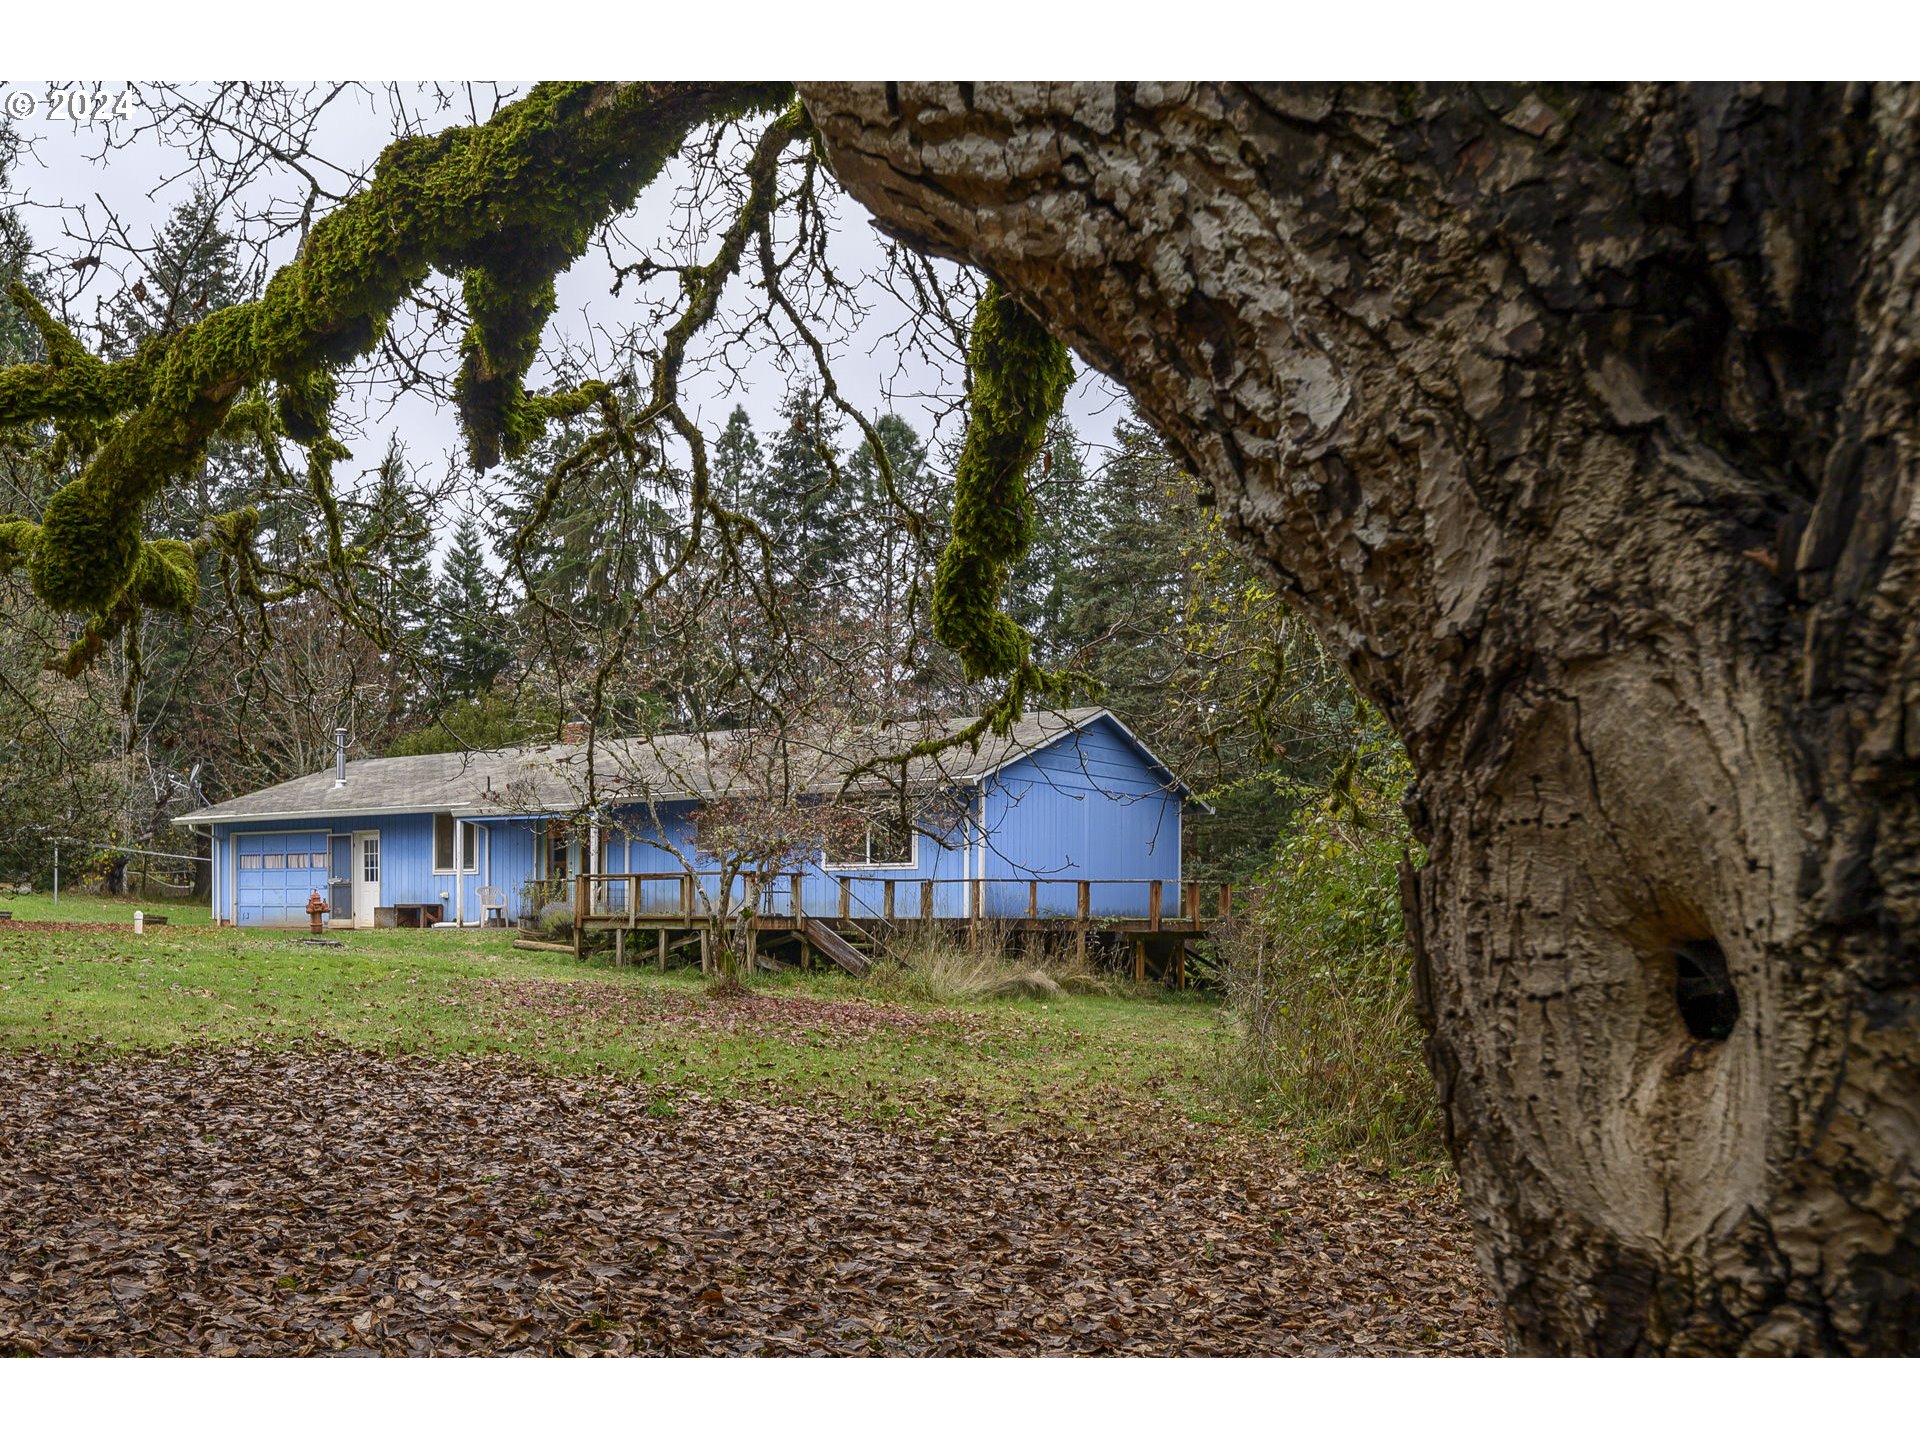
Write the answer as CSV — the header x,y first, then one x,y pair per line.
x,y
868,915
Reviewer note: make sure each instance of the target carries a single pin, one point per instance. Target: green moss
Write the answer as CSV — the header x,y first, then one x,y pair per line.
x,y
505,205
19,537
86,552
167,576
1020,378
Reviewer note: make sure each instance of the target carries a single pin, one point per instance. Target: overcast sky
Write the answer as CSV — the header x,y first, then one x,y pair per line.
x,y
66,189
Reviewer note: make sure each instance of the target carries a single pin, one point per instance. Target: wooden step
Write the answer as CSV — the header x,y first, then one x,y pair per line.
x,y
829,943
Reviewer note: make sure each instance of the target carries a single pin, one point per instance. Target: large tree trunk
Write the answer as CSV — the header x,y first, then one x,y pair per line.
x,y
1581,422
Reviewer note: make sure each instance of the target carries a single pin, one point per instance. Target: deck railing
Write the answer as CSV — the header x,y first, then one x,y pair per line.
x,y
690,896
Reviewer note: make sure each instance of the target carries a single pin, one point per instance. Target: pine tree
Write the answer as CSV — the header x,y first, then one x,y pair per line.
x,y
192,269
471,650
392,529
797,501
738,466
1066,533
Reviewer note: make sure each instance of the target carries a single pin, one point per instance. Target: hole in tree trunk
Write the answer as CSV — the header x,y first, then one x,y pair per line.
x,y
1703,989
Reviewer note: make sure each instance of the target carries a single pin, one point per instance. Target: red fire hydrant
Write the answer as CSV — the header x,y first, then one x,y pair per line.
x,y
316,907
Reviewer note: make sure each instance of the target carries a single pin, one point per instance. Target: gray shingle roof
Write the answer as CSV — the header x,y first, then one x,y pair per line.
x,y
554,778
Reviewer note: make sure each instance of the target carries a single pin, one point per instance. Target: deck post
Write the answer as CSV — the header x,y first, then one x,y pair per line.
x,y
1086,899
1180,966
1226,900
1080,948
887,903
799,906
1191,909
1139,960
846,897
580,917
619,947
662,933
1033,899
1153,905
926,899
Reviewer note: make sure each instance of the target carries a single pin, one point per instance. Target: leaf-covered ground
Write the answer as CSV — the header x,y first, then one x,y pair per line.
x,y
296,1200
220,1140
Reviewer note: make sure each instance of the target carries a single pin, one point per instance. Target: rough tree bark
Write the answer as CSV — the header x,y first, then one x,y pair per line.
x,y
1581,422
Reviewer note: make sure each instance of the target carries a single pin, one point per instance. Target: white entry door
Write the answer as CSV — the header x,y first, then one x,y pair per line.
x,y
366,877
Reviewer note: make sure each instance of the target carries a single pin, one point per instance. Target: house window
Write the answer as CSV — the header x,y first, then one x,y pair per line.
x,y
370,860
448,832
249,862
275,861
557,850
885,841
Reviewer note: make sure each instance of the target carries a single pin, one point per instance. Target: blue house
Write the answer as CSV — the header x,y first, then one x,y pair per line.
x,y
1069,815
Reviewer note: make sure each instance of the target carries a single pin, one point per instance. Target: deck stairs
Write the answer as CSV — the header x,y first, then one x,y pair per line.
x,y
835,947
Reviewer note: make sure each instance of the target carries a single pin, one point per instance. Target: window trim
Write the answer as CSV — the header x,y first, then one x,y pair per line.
x,y
912,862
459,826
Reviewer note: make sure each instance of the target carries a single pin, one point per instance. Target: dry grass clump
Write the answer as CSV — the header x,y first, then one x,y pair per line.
x,y
942,967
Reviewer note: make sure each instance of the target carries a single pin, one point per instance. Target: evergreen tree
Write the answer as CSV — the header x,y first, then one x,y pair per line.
x,y
17,339
606,533
471,650
877,538
391,528
492,720
738,467
1042,587
797,502
192,270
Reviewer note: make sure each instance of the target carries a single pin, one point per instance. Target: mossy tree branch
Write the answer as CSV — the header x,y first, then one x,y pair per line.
x,y
504,205
1020,374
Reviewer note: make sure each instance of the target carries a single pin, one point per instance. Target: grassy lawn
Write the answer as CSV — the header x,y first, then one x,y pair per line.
x,y
85,909
861,1047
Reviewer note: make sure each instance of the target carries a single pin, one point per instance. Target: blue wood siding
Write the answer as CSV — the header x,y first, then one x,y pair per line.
x,y
1090,805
